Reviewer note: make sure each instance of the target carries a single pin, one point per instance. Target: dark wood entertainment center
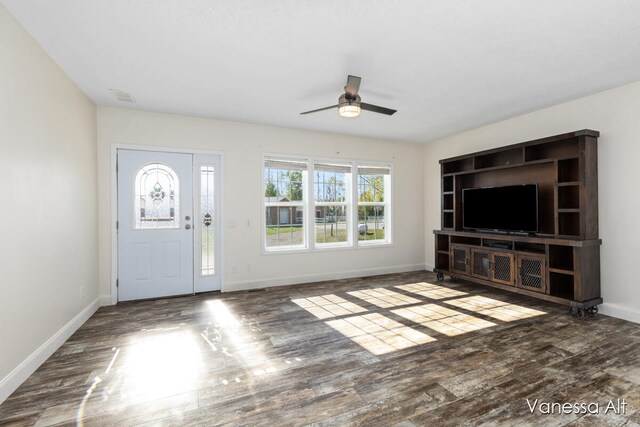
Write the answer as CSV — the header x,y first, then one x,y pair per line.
x,y
560,263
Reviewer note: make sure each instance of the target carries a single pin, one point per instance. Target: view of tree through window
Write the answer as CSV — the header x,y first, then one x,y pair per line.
x,y
332,207
334,220
371,203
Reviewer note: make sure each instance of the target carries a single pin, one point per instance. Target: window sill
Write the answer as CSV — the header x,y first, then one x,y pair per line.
x,y
329,248
369,245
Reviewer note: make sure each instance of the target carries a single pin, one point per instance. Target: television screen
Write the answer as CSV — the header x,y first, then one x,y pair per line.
x,y
508,208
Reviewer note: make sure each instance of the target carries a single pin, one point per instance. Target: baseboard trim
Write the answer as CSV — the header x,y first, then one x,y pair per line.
x,y
429,267
310,278
21,372
105,300
624,313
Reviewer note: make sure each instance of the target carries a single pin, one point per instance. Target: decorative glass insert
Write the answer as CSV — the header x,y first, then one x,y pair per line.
x,y
157,193
207,220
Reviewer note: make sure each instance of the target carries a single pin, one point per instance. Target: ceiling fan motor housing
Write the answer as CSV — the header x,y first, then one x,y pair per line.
x,y
347,100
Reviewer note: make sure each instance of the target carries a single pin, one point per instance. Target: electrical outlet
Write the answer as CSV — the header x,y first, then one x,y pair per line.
x,y
248,223
81,291
247,268
234,268
231,225
381,256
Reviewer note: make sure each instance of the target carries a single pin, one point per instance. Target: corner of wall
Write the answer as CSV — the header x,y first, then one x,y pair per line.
x,y
21,372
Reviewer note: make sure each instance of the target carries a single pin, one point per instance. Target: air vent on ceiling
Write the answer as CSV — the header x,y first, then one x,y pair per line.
x,y
122,95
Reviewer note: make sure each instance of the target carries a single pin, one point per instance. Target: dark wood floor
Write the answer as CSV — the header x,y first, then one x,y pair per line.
x,y
398,350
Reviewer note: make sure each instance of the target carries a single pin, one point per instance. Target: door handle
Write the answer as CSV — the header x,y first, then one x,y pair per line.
x,y
188,226
187,218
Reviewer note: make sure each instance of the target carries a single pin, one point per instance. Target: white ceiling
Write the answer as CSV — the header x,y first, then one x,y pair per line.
x,y
446,66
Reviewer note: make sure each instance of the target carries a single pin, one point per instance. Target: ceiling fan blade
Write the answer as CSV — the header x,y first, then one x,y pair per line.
x,y
353,86
376,109
319,109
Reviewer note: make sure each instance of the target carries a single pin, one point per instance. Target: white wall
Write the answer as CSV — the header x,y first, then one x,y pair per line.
x,y
242,145
48,214
615,114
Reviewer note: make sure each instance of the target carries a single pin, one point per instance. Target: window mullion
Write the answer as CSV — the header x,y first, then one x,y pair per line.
x,y
311,208
354,204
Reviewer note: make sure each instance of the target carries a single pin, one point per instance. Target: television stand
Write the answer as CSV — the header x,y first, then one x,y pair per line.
x,y
561,263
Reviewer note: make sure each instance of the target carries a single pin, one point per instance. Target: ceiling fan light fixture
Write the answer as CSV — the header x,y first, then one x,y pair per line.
x,y
349,108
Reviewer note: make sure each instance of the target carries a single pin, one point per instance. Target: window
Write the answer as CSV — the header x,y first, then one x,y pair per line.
x,y
331,183
156,197
320,204
373,183
284,203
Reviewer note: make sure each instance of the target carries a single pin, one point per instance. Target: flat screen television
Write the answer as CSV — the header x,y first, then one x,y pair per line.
x,y
511,208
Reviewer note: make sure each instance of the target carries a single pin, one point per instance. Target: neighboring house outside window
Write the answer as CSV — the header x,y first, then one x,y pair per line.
x,y
321,204
285,182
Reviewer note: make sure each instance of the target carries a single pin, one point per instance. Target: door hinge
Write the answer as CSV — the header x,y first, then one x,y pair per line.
x,y
117,166
117,225
117,283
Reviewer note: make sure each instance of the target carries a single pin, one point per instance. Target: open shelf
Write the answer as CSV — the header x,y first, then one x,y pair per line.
x,y
447,184
442,261
559,270
466,240
535,248
442,242
500,158
458,166
561,285
447,220
569,197
447,201
569,170
569,224
562,148
561,257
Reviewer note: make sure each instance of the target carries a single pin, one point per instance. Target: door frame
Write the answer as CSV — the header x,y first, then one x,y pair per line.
x,y
113,177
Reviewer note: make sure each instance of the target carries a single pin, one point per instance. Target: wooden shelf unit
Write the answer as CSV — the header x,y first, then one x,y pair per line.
x,y
561,263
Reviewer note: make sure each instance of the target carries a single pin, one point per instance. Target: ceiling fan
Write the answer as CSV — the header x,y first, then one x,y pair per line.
x,y
349,104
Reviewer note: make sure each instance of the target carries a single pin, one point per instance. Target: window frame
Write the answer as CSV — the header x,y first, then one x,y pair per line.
x,y
386,204
309,204
348,204
303,203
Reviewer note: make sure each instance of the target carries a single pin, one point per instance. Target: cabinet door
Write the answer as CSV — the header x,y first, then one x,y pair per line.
x,y
481,263
459,259
531,273
503,268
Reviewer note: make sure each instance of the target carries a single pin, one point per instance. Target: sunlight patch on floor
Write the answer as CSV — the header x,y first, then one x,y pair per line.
x,y
384,298
161,364
507,312
431,291
327,306
441,319
379,334
236,338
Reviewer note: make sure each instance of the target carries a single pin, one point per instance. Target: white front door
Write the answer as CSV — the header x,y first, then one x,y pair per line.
x,y
155,227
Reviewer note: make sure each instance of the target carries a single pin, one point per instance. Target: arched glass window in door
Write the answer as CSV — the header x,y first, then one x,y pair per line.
x,y
157,195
